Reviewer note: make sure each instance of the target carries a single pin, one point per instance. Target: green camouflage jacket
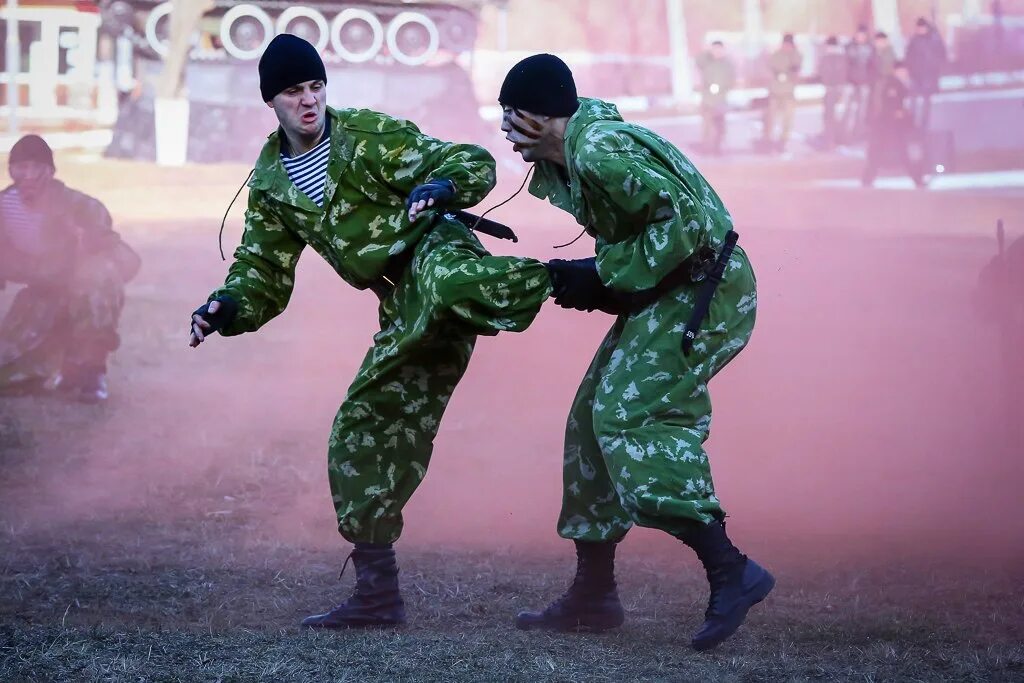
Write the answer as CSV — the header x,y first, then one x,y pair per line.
x,y
645,203
375,162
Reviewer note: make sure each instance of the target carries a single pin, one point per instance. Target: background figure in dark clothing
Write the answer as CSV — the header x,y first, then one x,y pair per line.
x,y
860,58
891,131
882,66
60,244
926,57
832,73
718,76
784,64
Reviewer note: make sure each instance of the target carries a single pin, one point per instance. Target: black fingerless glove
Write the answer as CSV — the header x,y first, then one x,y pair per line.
x,y
441,190
219,320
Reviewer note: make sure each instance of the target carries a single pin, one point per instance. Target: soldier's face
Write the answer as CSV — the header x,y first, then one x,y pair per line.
x,y
31,178
524,130
302,109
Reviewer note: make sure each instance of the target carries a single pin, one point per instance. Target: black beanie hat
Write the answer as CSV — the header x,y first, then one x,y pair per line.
x,y
31,148
287,61
540,84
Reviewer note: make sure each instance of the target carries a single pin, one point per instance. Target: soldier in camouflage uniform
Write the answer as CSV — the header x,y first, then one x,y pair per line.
x,y
633,442
718,76
377,224
784,65
59,243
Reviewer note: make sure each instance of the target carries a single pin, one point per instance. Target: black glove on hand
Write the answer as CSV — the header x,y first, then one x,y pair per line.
x,y
577,285
219,320
441,190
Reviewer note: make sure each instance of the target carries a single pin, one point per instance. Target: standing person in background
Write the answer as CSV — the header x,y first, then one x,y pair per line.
x,y
832,73
882,67
926,58
784,64
860,57
718,77
885,57
891,130
59,243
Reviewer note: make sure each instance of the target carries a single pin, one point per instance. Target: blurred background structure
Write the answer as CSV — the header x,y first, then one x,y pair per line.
x,y
118,72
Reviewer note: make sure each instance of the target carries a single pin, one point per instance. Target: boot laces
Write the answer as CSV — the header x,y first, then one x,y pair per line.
x,y
719,577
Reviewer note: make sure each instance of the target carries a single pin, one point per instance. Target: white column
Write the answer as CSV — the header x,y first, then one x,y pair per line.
x,y
43,62
503,28
682,81
753,28
13,66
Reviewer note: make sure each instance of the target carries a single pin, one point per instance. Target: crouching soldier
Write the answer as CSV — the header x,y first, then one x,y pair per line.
x,y
59,243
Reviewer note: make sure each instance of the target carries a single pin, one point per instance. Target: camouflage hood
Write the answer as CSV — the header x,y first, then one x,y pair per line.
x,y
548,181
636,193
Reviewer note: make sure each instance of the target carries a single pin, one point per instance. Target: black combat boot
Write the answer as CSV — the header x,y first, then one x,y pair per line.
x,y
376,600
737,583
591,603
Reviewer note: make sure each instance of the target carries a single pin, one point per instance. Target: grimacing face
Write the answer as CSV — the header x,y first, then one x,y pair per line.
x,y
301,109
524,130
31,178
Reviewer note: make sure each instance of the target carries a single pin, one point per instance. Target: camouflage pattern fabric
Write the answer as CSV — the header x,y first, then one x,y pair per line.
x,y
634,438
375,162
451,291
67,315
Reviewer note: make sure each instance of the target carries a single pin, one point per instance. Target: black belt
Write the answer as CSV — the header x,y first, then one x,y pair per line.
x,y
707,292
705,268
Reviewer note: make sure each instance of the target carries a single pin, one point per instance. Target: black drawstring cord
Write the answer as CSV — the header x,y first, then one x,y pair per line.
x,y
220,235
560,246
532,166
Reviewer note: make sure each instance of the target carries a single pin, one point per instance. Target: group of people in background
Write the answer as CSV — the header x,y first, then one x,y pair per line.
x,y
870,94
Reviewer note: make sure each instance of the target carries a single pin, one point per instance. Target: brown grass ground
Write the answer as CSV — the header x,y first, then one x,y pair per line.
x,y
179,532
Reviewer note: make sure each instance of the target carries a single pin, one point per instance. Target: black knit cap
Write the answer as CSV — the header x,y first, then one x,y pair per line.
x,y
287,61
31,148
540,84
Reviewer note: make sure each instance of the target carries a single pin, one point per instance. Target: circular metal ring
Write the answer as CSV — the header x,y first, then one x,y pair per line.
x,y
353,14
239,12
399,22
155,15
298,12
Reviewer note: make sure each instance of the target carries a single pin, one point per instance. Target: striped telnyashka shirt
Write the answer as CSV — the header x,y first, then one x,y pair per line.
x,y
22,225
309,171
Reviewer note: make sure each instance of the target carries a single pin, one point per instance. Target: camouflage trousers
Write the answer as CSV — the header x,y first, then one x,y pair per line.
x,y
634,440
383,435
50,331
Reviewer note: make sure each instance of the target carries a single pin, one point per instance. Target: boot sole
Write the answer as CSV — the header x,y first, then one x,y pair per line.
x,y
756,594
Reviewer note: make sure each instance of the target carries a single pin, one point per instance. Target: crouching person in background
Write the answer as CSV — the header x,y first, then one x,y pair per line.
x,y
59,243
